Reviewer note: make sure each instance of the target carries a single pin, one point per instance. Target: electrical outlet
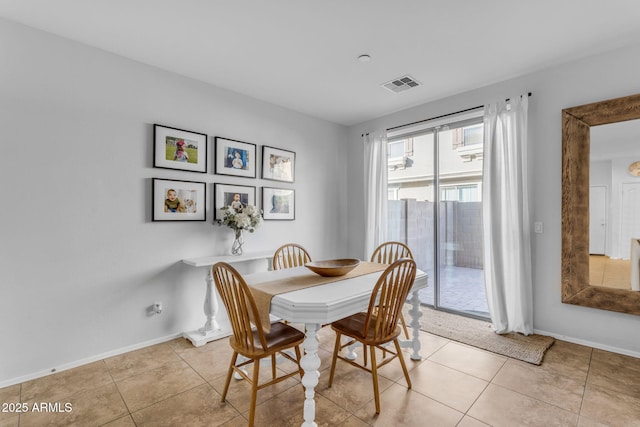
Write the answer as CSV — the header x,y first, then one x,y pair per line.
x,y
157,307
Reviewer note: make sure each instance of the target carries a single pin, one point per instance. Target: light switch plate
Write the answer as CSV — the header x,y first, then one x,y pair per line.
x,y
537,227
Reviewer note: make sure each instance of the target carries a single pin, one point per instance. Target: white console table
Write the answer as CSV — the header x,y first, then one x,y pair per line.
x,y
211,330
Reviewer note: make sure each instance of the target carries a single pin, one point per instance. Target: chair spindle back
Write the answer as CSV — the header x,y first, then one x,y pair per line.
x,y
289,256
240,305
388,297
389,252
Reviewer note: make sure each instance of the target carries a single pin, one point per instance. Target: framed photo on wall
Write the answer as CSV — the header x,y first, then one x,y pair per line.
x,y
278,203
278,165
235,158
178,200
179,149
232,195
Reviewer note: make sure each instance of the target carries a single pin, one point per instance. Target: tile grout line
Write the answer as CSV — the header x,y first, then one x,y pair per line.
x,y
586,380
535,398
20,415
179,354
466,373
146,371
490,382
226,402
119,392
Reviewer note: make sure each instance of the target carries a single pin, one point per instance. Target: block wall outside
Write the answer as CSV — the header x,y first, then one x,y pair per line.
x,y
411,221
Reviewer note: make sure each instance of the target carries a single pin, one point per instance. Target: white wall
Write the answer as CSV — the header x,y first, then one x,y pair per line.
x,y
600,176
613,174
606,76
623,220
80,259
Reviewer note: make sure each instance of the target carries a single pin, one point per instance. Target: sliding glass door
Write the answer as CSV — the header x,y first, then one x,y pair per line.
x,y
435,206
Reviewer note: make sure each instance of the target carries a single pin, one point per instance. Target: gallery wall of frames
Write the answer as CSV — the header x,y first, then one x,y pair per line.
x,y
186,200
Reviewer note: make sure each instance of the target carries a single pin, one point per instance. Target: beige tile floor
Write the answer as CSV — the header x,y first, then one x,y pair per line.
x,y
175,384
612,273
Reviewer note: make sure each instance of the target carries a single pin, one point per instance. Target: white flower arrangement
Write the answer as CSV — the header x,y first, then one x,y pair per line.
x,y
241,218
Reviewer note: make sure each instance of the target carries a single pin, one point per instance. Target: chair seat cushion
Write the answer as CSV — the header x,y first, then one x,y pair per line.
x,y
281,335
353,325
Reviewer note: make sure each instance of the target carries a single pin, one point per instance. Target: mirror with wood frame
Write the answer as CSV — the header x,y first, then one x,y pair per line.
x,y
576,126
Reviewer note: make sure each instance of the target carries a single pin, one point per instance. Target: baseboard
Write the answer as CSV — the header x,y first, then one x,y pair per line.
x,y
590,344
87,360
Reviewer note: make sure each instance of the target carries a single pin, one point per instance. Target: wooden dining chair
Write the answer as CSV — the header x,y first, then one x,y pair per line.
x,y
290,255
379,324
387,253
249,338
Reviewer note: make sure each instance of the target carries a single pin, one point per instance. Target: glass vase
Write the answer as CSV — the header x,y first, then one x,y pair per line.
x,y
236,248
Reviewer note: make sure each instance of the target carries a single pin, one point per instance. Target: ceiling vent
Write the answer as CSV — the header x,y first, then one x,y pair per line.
x,y
401,84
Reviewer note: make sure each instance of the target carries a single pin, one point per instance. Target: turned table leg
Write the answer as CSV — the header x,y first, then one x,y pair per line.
x,y
310,364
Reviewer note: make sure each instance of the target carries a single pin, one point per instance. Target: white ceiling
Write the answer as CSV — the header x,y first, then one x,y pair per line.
x,y
302,54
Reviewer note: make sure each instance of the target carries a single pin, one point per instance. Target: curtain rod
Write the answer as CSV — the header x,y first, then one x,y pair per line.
x,y
442,116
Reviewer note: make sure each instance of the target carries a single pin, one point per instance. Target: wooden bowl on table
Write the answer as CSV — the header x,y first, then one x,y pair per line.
x,y
333,267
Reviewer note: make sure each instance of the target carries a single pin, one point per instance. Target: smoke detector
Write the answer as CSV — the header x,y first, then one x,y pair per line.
x,y
401,84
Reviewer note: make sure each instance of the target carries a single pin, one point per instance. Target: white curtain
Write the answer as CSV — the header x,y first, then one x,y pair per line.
x,y
375,194
507,239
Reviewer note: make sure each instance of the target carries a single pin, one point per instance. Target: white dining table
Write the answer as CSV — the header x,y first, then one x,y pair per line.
x,y
326,303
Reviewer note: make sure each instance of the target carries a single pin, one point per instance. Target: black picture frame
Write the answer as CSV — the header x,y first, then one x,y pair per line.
x,y
223,197
278,204
235,158
167,140
278,164
189,204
